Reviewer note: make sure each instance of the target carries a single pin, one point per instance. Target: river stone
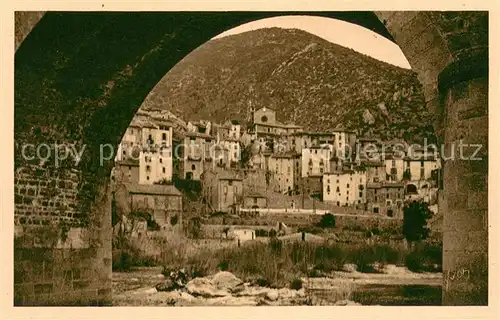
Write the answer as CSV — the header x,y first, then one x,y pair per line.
x,y
205,288
166,285
350,267
225,280
272,295
253,291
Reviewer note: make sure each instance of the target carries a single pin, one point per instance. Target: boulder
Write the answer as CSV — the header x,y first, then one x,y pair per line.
x,y
205,288
272,295
350,267
166,285
172,298
225,280
253,291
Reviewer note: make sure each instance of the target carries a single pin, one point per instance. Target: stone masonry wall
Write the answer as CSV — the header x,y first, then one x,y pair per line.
x,y
61,255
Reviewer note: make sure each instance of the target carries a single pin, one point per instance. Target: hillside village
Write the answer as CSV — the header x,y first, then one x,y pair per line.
x,y
171,168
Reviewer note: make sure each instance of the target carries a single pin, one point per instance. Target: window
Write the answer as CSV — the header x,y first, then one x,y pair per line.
x,y
393,163
148,168
193,167
230,183
387,196
376,199
161,160
390,213
375,209
347,185
263,119
163,169
361,194
147,178
164,136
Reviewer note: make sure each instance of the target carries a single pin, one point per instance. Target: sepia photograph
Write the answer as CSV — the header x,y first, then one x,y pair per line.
x,y
250,158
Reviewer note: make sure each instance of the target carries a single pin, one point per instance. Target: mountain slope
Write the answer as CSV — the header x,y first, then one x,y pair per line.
x,y
306,79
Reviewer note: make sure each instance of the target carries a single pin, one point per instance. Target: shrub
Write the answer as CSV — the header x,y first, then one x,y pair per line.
x,y
273,233
312,230
261,233
327,221
296,284
174,220
415,219
122,260
424,257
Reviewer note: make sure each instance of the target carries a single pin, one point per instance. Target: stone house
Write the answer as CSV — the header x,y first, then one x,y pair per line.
x,y
386,199
254,200
125,171
283,168
162,201
345,188
315,161
195,150
221,190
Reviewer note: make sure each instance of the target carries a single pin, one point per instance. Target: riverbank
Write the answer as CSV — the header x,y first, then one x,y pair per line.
x,y
395,286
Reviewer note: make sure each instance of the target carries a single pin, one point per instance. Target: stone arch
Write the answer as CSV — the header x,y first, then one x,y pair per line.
x,y
71,90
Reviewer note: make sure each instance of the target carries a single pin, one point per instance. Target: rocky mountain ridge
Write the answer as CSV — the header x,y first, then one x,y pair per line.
x,y
306,79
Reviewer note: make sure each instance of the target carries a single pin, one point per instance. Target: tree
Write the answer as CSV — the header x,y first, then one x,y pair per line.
x,y
415,218
246,154
407,174
327,221
193,228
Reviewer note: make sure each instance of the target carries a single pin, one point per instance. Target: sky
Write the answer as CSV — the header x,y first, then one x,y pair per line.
x,y
336,31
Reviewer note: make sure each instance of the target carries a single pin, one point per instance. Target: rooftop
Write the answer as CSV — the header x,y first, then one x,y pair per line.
x,y
319,134
128,162
228,175
152,189
198,135
255,195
